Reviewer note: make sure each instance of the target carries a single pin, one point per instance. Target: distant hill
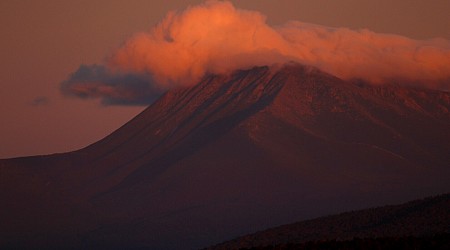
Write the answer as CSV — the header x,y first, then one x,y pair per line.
x,y
416,223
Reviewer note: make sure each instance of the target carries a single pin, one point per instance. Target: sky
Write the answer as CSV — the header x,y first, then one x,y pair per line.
x,y
44,42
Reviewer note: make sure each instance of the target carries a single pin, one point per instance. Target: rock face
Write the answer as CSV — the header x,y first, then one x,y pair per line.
x,y
231,155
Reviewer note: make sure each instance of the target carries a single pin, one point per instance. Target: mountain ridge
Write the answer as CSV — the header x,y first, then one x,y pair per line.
x,y
233,154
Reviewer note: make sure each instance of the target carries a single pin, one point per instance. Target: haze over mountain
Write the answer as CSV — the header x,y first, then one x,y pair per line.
x,y
231,155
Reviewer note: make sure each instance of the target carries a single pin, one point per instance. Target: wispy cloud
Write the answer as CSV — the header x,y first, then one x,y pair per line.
x,y
114,88
40,101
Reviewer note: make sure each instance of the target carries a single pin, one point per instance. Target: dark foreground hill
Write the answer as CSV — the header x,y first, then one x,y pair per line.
x,y
229,156
416,222
435,242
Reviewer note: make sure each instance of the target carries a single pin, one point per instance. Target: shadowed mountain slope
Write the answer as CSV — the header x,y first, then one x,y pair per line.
x,y
231,155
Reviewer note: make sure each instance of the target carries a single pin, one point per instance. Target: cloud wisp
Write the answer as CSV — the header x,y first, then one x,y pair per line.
x,y
215,37
40,101
114,88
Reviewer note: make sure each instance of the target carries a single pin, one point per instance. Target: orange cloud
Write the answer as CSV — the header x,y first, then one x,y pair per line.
x,y
215,37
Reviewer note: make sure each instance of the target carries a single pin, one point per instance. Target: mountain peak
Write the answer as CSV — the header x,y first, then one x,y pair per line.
x,y
235,153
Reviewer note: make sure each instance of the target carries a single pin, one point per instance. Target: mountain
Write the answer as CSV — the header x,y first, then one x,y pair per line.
x,y
419,219
229,156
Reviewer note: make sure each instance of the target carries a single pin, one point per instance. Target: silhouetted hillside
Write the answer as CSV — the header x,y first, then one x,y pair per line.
x,y
435,242
401,225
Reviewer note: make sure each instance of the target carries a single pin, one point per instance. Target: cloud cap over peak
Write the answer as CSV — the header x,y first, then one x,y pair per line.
x,y
215,37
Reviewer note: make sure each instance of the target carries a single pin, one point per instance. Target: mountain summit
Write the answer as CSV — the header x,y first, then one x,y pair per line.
x,y
232,155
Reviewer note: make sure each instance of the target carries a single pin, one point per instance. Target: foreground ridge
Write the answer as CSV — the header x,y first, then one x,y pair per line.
x,y
409,222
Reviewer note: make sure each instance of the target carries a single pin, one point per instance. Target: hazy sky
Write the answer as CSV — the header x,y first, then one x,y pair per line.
x,y
44,41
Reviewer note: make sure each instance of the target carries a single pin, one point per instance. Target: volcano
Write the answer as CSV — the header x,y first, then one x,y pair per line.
x,y
234,154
